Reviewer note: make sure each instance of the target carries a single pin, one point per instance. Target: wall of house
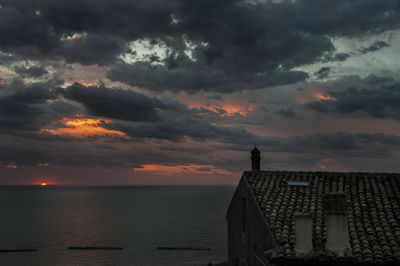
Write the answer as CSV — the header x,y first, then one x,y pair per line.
x,y
248,234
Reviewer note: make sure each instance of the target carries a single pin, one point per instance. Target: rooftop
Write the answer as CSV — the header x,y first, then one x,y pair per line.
x,y
373,213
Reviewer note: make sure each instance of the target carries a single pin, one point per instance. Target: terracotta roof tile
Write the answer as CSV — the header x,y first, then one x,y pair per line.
x,y
373,213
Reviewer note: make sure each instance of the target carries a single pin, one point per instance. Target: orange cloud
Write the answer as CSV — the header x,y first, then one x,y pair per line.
x,y
181,169
83,127
228,107
231,110
226,110
86,84
320,96
13,165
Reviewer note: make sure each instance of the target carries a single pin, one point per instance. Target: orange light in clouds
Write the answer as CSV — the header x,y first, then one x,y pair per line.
x,y
82,127
84,121
43,184
232,110
86,84
181,169
320,96
226,110
13,165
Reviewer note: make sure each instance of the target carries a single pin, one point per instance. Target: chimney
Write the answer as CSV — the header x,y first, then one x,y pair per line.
x,y
255,159
337,235
303,231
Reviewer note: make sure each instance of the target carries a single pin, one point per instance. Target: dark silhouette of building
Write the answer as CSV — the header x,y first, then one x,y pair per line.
x,y
314,218
255,159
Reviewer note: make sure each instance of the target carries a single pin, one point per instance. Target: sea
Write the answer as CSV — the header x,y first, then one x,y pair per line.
x,y
139,219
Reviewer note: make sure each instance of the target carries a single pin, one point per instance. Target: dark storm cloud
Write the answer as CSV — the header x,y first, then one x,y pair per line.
x,y
176,127
36,34
23,32
373,79
215,97
92,49
251,46
238,45
33,71
376,46
382,102
323,72
66,109
191,79
287,112
338,57
33,93
115,103
20,104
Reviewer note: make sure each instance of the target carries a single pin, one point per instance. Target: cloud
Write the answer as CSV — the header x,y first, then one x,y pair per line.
x,y
20,104
373,79
379,103
323,72
92,48
334,142
250,61
308,149
233,45
175,127
182,169
287,112
33,71
214,96
376,46
83,128
115,103
334,57
193,79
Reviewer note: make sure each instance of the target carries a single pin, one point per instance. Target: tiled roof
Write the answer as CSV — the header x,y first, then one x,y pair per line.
x,y
373,213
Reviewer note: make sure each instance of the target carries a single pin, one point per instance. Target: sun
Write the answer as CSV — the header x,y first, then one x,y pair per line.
x,y
43,184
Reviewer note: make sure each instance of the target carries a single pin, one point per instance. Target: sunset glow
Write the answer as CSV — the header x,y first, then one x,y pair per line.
x,y
179,92
83,127
226,110
86,84
12,165
321,96
230,110
181,169
43,184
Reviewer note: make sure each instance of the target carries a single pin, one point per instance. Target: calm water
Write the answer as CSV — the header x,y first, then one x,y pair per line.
x,y
139,219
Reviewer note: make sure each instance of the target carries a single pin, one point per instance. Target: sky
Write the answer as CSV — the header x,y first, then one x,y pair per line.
x,y
155,92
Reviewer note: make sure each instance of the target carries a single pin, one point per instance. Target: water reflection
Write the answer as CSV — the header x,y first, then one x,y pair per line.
x,y
136,218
